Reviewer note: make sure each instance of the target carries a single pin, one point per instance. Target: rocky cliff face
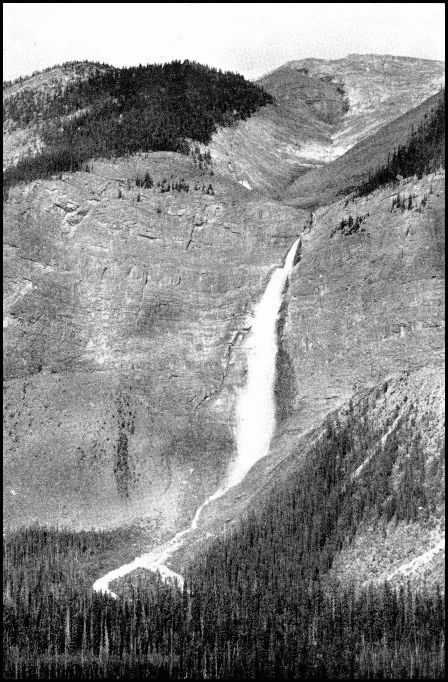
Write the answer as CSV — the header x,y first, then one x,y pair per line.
x,y
123,317
365,303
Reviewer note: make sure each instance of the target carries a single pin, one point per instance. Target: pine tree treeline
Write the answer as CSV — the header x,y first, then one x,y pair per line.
x,y
380,633
124,111
77,68
422,153
256,603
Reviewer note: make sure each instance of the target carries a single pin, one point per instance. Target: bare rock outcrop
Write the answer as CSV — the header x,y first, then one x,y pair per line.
x,y
364,302
122,318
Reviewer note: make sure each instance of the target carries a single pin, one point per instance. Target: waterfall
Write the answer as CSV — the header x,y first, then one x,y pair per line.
x,y
255,410
255,413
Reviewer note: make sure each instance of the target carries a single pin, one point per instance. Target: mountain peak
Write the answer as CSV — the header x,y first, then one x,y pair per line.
x,y
50,78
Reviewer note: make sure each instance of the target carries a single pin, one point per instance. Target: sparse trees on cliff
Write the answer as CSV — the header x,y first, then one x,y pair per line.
x,y
423,152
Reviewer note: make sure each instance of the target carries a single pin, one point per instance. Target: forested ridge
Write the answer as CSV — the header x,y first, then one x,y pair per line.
x,y
422,153
257,602
158,107
74,68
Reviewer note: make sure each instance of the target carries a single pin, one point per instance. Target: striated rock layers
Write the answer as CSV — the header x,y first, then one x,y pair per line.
x,y
125,309
365,301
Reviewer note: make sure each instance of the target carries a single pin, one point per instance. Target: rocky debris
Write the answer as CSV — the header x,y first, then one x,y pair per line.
x,y
66,205
198,220
78,216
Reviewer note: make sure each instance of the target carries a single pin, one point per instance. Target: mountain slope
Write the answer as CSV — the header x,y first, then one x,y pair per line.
x,y
128,290
368,485
322,109
358,328
379,88
321,186
259,597
114,112
25,95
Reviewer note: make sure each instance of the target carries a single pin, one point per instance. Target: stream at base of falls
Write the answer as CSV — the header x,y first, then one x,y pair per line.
x,y
255,423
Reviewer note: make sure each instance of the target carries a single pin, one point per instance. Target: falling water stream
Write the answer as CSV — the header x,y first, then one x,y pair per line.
x,y
255,422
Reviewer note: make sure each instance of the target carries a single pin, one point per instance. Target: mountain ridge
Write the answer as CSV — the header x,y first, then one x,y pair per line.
x,y
323,185
279,143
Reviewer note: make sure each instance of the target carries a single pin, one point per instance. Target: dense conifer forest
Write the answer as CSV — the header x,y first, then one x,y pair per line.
x,y
422,153
257,602
123,111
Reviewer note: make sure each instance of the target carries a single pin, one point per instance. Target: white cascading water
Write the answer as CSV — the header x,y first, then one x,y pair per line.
x,y
255,412
255,409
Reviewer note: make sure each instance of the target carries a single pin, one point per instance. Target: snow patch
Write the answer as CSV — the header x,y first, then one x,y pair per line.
x,y
245,184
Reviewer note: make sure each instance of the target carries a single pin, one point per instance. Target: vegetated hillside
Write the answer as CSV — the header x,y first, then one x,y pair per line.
x,y
384,515
260,600
422,153
52,78
24,138
319,113
322,109
124,111
322,186
126,295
